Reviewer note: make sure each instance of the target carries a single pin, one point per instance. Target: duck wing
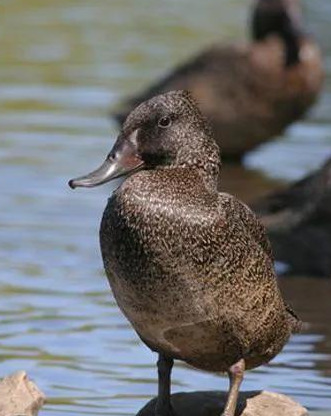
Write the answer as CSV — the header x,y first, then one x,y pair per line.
x,y
218,66
252,225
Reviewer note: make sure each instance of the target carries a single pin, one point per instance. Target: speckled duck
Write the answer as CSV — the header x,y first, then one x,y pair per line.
x,y
250,91
190,267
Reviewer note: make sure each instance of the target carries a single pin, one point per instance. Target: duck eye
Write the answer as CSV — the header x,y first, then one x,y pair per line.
x,y
164,122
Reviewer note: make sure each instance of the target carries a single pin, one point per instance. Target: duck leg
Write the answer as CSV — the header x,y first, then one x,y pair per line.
x,y
163,404
236,376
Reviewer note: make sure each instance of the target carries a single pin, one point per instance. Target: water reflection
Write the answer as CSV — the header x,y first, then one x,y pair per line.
x,y
63,65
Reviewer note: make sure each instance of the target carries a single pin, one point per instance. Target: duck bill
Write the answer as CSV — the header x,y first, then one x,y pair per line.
x,y
122,160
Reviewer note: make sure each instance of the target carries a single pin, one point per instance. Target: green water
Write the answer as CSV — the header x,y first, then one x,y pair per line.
x,y
64,64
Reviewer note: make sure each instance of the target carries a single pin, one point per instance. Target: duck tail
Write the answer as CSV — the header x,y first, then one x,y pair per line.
x,y
295,323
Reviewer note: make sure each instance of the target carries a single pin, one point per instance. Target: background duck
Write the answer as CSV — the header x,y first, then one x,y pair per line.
x,y
251,92
190,267
298,220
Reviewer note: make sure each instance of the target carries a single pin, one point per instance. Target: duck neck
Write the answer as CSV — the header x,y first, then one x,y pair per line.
x,y
281,22
292,43
204,156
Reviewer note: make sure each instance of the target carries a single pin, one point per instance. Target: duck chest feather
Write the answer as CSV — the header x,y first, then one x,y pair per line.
x,y
178,266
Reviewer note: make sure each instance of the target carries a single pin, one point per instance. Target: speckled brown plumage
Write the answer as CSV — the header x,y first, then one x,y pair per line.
x,y
190,267
250,92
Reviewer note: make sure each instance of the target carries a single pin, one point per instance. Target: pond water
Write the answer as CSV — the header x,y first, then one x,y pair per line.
x,y
64,64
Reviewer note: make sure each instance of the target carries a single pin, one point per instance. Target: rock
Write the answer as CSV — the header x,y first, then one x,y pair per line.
x,y
19,396
211,403
273,404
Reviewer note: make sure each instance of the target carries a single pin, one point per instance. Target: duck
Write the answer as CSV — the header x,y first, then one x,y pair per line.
x,y
190,267
298,223
249,91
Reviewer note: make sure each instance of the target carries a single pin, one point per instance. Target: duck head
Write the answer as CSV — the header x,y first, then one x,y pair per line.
x,y
282,18
167,130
